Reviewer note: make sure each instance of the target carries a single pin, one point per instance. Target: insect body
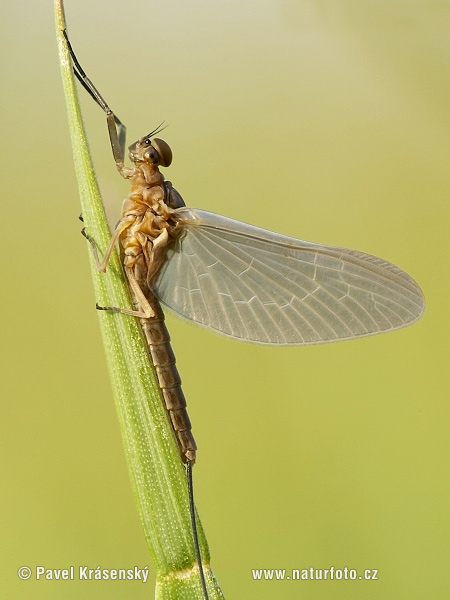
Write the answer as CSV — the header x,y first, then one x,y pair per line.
x,y
146,227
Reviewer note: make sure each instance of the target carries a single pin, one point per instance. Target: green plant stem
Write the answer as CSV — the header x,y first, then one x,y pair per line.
x,y
156,471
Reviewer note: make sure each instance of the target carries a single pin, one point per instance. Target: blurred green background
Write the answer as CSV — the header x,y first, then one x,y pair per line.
x,y
321,120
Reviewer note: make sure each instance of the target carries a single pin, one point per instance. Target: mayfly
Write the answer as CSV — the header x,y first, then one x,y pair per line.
x,y
239,280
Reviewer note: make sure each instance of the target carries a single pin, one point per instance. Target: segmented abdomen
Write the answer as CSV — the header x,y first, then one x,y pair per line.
x,y
163,358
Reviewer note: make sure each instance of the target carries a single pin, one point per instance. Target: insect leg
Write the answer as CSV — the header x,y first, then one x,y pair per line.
x,y
117,130
157,254
146,311
102,264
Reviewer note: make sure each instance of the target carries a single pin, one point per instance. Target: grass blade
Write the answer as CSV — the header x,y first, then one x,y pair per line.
x,y
156,471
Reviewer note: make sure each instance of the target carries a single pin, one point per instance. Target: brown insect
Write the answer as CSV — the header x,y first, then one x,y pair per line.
x,y
147,226
234,278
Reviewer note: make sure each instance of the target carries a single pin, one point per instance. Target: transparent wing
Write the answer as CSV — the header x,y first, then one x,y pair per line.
x,y
258,286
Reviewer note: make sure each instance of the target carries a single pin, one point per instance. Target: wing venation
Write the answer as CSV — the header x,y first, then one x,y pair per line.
x,y
259,286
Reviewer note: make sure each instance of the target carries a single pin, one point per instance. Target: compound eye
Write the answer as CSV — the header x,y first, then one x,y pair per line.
x,y
164,152
152,155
